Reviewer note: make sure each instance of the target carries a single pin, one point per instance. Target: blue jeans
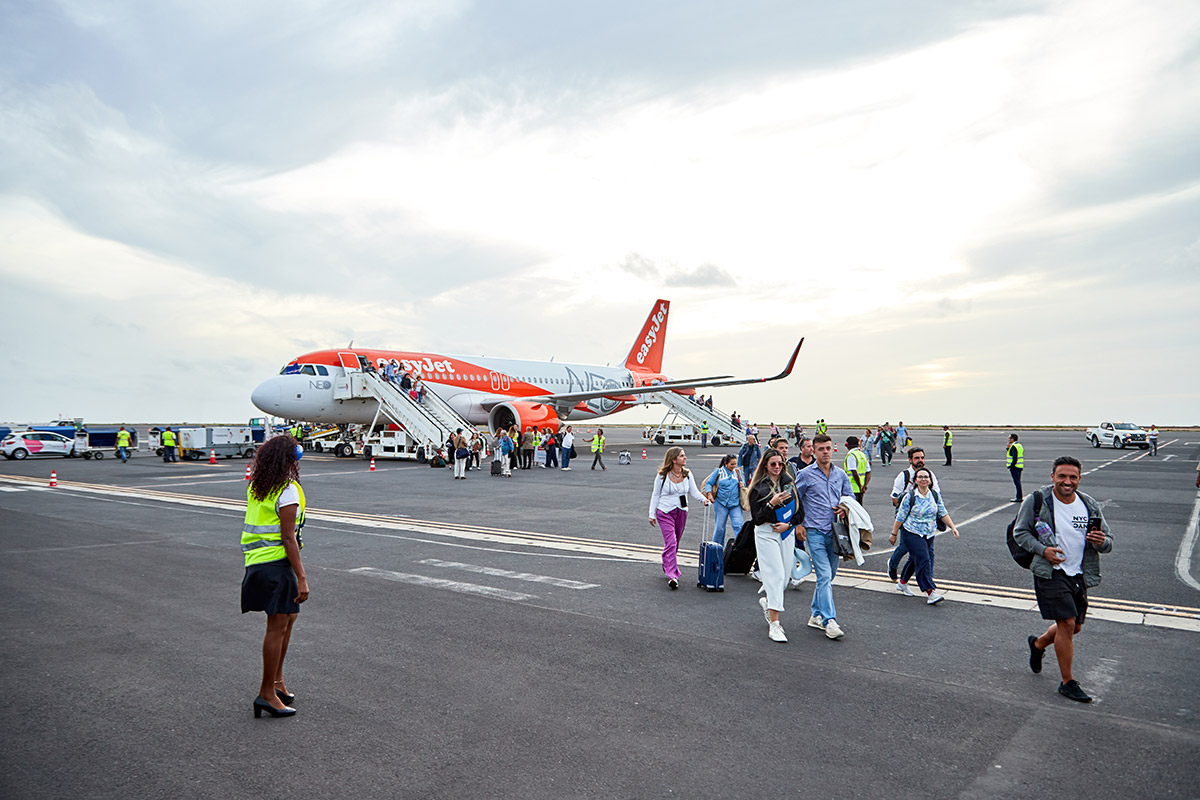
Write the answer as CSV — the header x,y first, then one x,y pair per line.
x,y
731,513
566,456
909,566
920,559
825,564
123,453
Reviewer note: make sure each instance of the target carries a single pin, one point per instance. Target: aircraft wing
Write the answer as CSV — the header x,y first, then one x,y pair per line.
x,y
628,392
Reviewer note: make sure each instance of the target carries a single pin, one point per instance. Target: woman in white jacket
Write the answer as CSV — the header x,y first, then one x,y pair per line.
x,y
668,507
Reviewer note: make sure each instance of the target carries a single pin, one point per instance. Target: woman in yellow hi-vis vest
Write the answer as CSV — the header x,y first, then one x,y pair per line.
x,y
598,449
275,581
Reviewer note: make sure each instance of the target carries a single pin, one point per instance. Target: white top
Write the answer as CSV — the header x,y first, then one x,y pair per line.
x,y
288,497
667,492
1070,530
898,487
568,440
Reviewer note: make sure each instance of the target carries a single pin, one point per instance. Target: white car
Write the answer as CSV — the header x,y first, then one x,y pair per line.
x,y
22,444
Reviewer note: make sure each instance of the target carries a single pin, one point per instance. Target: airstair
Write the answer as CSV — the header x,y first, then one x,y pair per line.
x,y
720,429
429,422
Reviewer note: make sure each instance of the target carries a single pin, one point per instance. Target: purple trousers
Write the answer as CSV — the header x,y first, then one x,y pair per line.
x,y
671,523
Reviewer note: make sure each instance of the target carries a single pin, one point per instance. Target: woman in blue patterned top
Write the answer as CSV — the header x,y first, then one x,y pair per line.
x,y
916,522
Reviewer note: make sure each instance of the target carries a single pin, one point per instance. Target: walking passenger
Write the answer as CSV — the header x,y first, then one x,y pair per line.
x,y
723,489
903,482
780,446
527,447
804,459
668,507
568,448
460,453
749,454
598,449
1066,535
1015,460
902,440
916,522
821,488
551,444
775,510
1152,437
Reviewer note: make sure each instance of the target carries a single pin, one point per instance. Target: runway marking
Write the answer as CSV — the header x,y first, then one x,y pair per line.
x,y
1111,609
441,583
1168,458
79,547
504,573
1183,559
1101,676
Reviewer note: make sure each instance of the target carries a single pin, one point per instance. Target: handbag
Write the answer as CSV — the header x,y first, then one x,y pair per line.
x,y
573,453
841,539
461,453
743,492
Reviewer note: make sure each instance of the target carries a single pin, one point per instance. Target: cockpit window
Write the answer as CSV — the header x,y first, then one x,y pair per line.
x,y
321,370
308,369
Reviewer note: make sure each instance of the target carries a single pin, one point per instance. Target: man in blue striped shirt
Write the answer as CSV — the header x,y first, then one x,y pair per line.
x,y
821,487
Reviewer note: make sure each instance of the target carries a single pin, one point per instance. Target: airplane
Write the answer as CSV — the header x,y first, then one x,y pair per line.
x,y
497,392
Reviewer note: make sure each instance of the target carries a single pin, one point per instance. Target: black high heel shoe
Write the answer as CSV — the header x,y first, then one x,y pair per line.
x,y
287,699
261,705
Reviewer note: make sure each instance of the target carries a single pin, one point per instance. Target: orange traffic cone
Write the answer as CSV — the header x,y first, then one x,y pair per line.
x,y
53,479
247,472
643,454
372,464
212,456
835,448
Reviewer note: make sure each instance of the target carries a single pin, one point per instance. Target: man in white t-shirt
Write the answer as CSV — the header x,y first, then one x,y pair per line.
x,y
1066,532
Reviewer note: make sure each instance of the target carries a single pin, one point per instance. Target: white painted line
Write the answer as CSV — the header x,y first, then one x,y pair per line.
x,y
441,583
1100,676
1183,559
1168,458
10,489
504,573
1139,458
81,547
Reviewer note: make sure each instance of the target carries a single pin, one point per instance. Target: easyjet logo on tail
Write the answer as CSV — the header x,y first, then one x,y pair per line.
x,y
647,349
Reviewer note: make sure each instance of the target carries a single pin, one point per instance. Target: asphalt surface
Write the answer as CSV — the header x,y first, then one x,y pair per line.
x,y
516,638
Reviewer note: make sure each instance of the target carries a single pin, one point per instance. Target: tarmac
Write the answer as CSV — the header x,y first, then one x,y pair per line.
x,y
515,638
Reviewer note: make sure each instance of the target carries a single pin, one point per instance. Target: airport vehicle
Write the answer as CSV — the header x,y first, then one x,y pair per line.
x,y
345,386
20,445
225,441
1118,434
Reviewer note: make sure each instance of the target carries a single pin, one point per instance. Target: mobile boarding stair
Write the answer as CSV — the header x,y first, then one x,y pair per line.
x,y
720,429
429,423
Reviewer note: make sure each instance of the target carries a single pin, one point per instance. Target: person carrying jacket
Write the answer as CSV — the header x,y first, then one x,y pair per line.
x,y
1066,535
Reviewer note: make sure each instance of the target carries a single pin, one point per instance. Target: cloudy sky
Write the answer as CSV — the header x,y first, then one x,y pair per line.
x,y
984,211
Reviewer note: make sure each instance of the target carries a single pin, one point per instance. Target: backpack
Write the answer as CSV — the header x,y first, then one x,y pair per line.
x,y
937,498
1019,554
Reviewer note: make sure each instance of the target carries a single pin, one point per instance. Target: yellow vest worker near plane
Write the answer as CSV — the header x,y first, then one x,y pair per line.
x,y
168,445
497,392
274,581
1015,457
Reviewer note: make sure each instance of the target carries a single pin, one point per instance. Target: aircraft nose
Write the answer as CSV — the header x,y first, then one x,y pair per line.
x,y
267,396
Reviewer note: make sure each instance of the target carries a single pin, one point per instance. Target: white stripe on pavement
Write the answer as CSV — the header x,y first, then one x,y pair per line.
x,y
1183,560
504,573
441,583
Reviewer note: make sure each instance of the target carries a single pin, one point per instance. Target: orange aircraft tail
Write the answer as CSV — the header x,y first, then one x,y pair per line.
x,y
647,351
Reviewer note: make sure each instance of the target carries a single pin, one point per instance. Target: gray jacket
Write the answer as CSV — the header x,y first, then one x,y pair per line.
x,y
1023,534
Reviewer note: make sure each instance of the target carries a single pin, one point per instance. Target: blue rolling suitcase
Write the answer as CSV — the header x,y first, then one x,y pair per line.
x,y
712,562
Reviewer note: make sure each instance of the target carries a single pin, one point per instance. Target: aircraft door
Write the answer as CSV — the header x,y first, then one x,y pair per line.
x,y
349,361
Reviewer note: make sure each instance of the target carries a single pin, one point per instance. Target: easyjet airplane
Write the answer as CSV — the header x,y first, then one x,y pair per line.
x,y
497,392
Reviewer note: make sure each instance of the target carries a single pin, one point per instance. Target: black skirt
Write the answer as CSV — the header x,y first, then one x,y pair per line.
x,y
271,587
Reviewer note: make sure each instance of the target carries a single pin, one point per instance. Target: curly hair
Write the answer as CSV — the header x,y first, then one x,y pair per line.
x,y
274,466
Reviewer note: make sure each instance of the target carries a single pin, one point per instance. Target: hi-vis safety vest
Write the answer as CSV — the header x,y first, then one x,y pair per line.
x,y
168,438
262,535
704,427
822,427
122,438
597,443
949,440
1016,455
856,460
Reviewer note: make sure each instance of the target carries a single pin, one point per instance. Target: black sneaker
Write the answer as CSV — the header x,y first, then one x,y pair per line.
x,y
1035,656
1071,691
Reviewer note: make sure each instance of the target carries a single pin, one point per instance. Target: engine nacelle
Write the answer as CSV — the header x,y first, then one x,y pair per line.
x,y
523,415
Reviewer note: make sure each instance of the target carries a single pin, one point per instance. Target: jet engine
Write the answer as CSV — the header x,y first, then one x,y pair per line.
x,y
523,415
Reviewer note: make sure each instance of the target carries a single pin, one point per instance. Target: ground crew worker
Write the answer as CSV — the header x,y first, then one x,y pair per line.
x,y
598,449
857,467
947,443
822,428
274,581
295,432
704,434
168,445
1016,463
123,445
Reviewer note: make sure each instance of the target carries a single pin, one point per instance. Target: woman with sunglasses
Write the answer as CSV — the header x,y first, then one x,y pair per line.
x,y
776,513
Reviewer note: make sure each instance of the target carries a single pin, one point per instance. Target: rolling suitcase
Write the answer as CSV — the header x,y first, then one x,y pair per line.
x,y
496,468
712,561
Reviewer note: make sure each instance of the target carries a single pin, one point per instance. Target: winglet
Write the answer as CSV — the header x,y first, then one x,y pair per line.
x,y
647,352
788,369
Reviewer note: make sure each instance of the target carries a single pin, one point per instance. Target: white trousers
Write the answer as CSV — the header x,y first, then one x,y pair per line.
x,y
460,467
776,557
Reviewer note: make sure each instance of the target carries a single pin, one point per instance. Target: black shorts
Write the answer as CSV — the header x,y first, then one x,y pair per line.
x,y
271,587
1061,596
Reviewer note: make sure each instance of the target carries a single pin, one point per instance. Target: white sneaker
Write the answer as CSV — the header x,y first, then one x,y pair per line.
x,y
904,590
775,631
815,622
934,599
832,630
762,601
794,584
754,574
566,469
